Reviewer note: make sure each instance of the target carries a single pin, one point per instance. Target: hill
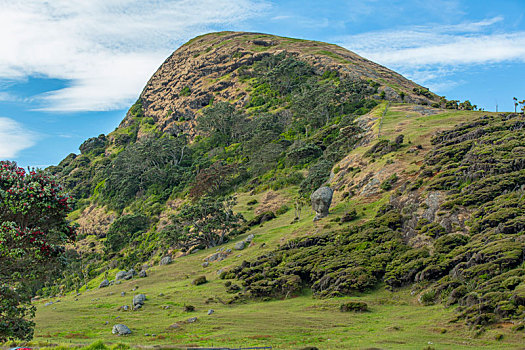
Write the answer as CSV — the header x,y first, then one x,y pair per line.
x,y
425,227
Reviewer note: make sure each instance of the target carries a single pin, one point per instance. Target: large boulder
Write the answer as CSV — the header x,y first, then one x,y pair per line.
x,y
239,245
321,200
165,260
121,275
120,329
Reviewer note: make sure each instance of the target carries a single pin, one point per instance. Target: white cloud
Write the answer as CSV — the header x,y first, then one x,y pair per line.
x,y
429,53
14,138
106,48
463,43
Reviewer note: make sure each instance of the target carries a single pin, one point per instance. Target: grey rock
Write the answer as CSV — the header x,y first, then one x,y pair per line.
x,y
139,299
250,238
210,311
228,251
321,200
103,284
146,334
132,272
136,307
205,264
143,273
120,329
165,260
121,275
239,245
106,323
191,319
219,271
125,307
161,294
123,294
48,304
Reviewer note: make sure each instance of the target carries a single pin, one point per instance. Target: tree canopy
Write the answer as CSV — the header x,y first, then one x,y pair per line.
x,y
33,232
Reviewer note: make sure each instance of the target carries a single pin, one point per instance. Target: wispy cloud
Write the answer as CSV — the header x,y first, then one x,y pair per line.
x,y
14,138
424,53
106,48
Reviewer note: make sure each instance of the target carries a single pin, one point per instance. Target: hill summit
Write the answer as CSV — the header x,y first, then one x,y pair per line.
x,y
210,68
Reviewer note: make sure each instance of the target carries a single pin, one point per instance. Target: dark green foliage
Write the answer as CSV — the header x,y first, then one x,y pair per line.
x,y
424,92
222,123
93,144
259,219
383,147
206,222
317,175
124,229
185,91
354,306
349,216
351,260
389,183
199,280
301,153
150,166
136,110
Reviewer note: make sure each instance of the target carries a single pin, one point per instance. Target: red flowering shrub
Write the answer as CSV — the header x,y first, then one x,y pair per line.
x,y
33,231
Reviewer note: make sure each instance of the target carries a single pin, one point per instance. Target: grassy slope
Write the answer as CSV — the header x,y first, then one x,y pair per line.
x,y
396,319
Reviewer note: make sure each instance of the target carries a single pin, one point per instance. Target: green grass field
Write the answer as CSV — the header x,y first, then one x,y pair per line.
x,y
395,321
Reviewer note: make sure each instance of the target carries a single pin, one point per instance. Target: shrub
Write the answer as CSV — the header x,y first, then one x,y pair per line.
x,y
354,306
199,280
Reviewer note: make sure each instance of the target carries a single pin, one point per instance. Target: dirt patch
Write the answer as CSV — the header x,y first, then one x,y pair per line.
x,y
270,201
95,221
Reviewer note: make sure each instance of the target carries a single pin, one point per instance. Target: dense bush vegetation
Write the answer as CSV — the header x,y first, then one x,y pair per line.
x,y
481,166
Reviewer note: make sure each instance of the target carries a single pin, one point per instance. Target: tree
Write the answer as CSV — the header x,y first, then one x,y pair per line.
x,y
222,123
206,222
33,231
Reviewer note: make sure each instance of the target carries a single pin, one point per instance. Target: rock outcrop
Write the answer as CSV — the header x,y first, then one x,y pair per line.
x,y
321,200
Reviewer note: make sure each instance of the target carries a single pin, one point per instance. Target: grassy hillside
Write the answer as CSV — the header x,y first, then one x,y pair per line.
x,y
425,228
397,318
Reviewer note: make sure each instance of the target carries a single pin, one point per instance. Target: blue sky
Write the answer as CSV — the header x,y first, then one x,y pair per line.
x,y
69,69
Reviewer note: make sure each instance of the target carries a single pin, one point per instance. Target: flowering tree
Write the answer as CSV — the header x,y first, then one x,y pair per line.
x,y
33,231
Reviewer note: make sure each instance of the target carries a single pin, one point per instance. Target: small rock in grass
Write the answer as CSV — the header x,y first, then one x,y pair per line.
x,y
48,304
143,274
250,238
120,329
210,311
205,264
161,294
165,260
122,294
191,319
174,326
239,245
139,299
103,284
